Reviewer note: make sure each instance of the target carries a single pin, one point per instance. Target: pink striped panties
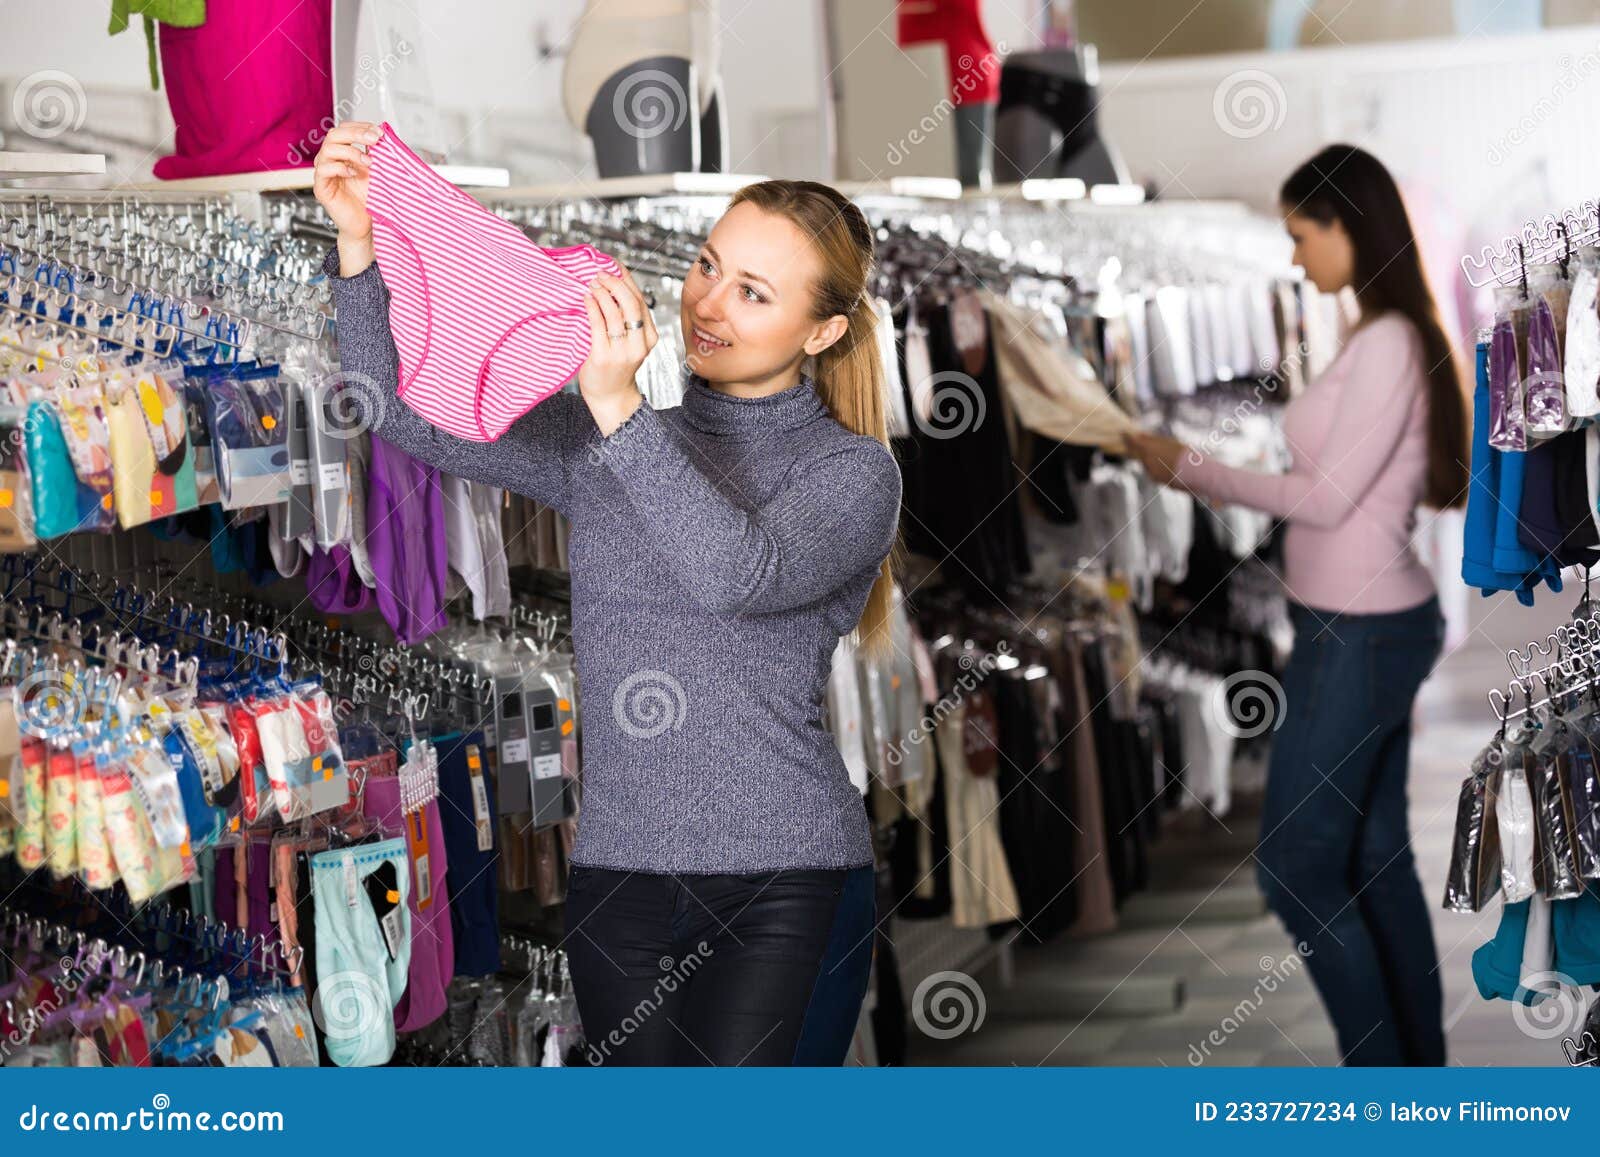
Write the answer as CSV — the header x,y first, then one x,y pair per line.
x,y
487,324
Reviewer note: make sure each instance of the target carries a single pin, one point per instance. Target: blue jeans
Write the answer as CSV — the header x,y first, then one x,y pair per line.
x,y
1334,857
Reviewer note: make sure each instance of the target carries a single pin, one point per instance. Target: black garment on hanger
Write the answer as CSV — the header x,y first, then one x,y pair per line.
x,y
1036,814
960,491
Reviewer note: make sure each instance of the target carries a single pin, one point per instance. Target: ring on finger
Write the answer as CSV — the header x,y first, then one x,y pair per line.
x,y
614,334
630,326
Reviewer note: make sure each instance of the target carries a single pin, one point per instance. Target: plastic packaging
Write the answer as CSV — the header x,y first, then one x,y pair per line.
x,y
1474,875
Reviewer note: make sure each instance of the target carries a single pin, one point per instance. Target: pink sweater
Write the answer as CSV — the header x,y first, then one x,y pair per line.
x,y
1358,438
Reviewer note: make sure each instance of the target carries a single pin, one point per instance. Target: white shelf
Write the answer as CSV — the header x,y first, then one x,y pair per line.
x,y
15,166
299,180
646,185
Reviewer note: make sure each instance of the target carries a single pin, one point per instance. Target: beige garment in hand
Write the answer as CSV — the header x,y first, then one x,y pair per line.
x,y
1053,391
981,889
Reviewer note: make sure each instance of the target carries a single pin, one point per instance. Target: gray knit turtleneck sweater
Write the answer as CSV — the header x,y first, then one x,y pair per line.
x,y
719,550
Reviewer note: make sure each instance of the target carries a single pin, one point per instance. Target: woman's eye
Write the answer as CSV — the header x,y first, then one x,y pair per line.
x,y
753,295
705,266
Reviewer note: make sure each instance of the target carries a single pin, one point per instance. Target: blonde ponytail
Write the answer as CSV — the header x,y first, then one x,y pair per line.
x,y
850,381
849,378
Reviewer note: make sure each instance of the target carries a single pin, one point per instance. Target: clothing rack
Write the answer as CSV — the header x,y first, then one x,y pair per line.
x,y
200,251
1575,667
1539,241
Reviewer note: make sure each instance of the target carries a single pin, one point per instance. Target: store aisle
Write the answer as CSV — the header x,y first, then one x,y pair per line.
x,y
1203,937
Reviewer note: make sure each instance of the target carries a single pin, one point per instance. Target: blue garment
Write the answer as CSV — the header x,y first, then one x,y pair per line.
x,y
1493,559
472,876
841,987
1335,860
1497,964
1577,935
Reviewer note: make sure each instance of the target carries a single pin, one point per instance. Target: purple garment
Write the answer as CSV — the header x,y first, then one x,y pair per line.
x,y
1545,388
332,585
226,903
1507,424
406,541
258,885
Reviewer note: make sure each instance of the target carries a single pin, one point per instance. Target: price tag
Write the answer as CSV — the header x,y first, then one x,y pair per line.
x,y
417,838
480,800
547,766
331,476
350,889
515,751
299,472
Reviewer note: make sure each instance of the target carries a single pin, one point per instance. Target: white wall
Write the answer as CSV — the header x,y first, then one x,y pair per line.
x,y
503,100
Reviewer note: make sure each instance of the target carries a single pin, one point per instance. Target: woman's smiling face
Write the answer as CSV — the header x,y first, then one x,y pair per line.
x,y
748,301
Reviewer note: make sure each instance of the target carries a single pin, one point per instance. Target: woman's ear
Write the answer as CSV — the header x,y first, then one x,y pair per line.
x,y
826,334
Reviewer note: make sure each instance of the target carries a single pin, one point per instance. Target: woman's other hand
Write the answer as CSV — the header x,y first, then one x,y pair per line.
x,y
1158,454
622,334
339,180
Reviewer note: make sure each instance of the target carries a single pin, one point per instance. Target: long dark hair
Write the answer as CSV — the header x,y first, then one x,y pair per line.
x,y
1349,185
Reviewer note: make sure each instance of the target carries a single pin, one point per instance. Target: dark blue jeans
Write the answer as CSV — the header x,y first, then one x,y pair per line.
x,y
1334,858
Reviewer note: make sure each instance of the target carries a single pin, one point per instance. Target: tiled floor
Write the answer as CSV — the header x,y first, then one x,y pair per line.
x,y
1221,959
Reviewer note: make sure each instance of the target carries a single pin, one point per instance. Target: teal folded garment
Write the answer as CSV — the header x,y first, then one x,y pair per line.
x,y
1497,965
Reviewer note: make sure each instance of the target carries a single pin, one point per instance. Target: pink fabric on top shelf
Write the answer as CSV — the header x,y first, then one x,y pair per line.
x,y
251,89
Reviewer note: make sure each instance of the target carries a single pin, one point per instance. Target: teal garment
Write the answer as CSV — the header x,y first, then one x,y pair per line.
x,y
1577,934
1497,965
56,501
226,555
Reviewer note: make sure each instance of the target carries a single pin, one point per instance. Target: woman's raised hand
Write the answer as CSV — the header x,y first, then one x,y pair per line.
x,y
622,334
340,183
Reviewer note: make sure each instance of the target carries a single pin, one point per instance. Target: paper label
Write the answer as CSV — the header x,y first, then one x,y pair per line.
x,y
391,931
331,476
350,879
480,801
547,766
515,751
